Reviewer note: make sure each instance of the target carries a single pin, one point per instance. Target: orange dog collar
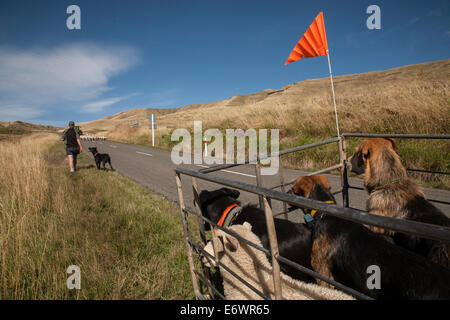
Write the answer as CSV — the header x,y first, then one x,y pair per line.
x,y
225,214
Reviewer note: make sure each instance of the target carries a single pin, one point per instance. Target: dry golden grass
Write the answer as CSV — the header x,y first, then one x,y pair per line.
x,y
24,188
407,99
411,99
127,242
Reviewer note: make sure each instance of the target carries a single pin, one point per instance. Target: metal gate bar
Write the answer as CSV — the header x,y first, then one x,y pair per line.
x,y
428,171
268,156
197,247
273,242
282,259
397,135
209,285
405,136
421,229
265,196
314,274
332,168
184,221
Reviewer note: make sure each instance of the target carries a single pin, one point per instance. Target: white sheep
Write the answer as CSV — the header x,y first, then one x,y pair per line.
x,y
253,266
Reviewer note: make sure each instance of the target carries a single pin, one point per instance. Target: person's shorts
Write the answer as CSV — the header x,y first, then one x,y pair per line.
x,y
72,151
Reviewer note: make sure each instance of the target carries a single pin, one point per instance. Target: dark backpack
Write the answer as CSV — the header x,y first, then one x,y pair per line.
x,y
71,138
78,130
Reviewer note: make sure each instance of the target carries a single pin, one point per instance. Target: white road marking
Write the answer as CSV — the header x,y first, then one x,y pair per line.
x,y
112,146
242,174
147,154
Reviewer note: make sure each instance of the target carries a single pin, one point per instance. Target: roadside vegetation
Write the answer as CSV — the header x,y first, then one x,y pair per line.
x,y
411,99
127,241
14,130
415,109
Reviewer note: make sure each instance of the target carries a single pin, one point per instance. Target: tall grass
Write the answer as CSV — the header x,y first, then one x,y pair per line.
x,y
411,99
403,107
24,208
127,242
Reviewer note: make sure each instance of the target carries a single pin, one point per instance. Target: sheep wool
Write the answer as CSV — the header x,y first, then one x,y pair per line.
x,y
253,266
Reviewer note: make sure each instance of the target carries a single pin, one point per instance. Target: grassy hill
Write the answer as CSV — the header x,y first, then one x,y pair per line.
x,y
410,99
12,130
13,126
374,101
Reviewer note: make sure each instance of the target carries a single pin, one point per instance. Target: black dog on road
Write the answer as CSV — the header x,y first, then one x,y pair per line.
x,y
294,239
100,158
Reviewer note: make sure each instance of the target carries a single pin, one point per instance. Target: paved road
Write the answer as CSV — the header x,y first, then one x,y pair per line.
x,y
153,169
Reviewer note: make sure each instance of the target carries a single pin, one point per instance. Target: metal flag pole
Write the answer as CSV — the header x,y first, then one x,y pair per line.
x,y
332,90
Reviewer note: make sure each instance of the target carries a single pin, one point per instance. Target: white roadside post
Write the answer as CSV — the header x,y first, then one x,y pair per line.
x,y
153,130
206,148
152,119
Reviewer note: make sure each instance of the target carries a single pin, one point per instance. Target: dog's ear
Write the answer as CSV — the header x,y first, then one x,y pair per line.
x,y
302,187
232,192
366,148
356,162
394,146
208,196
321,180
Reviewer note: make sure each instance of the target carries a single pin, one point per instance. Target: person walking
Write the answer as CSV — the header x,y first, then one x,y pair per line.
x,y
73,145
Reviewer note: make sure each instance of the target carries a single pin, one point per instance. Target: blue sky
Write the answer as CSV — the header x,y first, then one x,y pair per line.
x,y
162,53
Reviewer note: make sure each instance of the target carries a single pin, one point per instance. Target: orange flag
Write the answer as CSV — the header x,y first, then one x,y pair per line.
x,y
313,43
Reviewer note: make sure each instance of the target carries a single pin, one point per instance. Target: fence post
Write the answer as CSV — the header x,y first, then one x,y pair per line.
x,y
201,228
259,182
195,281
273,248
201,224
283,189
344,177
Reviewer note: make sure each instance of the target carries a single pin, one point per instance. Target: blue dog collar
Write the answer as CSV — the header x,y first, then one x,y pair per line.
x,y
308,218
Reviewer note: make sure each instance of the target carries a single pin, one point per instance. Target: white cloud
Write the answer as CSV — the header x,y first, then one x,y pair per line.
x,y
97,106
17,112
55,123
38,79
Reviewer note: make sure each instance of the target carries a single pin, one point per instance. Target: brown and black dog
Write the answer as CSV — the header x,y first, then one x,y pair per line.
x,y
343,250
392,194
294,239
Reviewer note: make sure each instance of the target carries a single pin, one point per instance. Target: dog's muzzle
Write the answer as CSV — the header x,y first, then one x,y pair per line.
x,y
353,165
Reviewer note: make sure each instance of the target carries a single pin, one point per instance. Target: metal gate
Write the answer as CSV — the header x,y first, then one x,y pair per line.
x,y
266,195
